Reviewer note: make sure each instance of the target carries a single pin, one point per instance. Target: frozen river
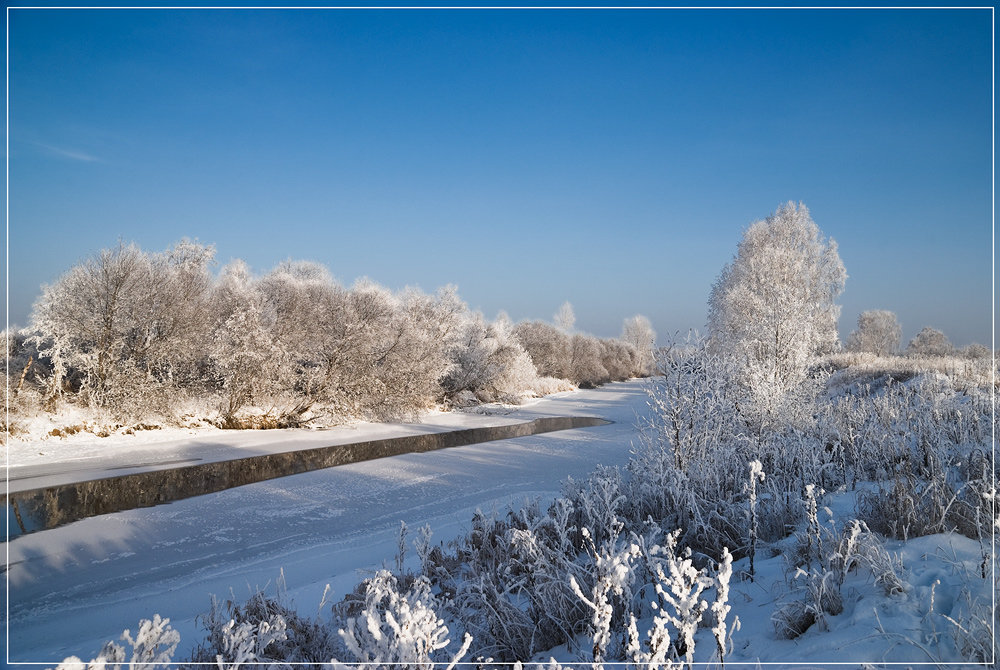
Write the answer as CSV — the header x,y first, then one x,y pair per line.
x,y
74,587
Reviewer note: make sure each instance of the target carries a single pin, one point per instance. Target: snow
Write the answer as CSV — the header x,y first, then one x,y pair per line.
x,y
855,636
329,526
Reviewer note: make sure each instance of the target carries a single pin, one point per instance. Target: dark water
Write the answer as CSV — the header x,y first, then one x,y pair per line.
x,y
44,508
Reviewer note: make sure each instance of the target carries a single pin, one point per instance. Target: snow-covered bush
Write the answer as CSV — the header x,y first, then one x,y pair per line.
x,y
488,360
582,359
264,629
620,359
549,348
586,368
609,597
516,590
124,326
132,336
247,357
975,351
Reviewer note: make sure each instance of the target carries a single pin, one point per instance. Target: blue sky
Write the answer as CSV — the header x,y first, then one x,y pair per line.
x,y
608,158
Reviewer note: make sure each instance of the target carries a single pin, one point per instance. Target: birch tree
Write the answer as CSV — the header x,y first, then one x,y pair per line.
x,y
638,332
773,306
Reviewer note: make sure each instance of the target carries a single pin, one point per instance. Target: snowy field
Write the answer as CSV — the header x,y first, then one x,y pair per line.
x,y
332,526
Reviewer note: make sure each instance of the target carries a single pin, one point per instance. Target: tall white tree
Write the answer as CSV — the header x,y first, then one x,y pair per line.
x,y
773,306
565,318
638,332
878,332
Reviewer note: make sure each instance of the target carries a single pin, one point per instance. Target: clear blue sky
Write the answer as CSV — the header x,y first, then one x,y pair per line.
x,y
608,158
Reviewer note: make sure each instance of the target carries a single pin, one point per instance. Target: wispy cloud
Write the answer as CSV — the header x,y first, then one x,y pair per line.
x,y
71,154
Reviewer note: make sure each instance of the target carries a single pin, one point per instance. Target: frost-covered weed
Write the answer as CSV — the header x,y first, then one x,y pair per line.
x,y
721,607
244,643
756,474
815,587
264,629
679,587
821,596
609,596
400,628
153,646
929,495
974,631
513,588
597,503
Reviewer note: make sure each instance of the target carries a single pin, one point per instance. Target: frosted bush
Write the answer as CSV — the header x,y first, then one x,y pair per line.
x,y
244,643
680,586
929,342
488,360
549,348
123,324
264,629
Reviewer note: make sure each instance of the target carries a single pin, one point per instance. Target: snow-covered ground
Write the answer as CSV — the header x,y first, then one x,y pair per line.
x,y
75,587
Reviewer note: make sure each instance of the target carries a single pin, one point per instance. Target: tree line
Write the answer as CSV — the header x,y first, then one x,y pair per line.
x,y
135,334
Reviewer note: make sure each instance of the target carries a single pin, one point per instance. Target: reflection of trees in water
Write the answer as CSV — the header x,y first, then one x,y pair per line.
x,y
41,509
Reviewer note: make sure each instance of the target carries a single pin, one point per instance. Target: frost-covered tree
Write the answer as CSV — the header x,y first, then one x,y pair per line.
x,y
124,324
244,350
976,351
773,306
586,368
385,353
638,332
580,358
930,342
619,358
84,319
549,348
565,318
878,333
